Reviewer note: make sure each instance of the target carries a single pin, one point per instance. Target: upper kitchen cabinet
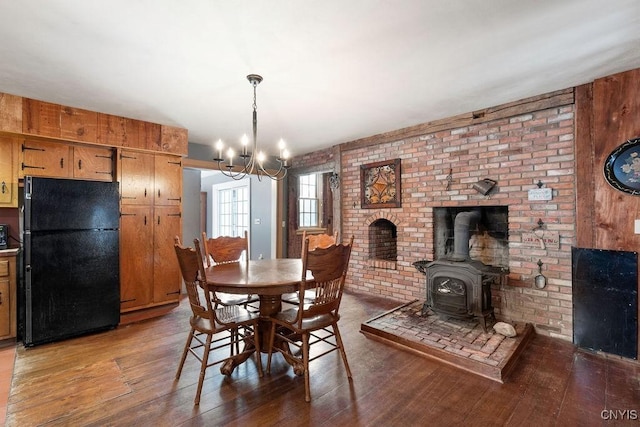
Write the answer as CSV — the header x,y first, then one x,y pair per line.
x,y
93,163
149,135
9,158
44,158
136,177
174,140
27,116
117,131
60,160
78,125
10,113
167,180
41,118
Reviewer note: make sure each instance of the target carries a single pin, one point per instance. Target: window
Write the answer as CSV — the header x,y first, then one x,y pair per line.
x,y
309,196
232,204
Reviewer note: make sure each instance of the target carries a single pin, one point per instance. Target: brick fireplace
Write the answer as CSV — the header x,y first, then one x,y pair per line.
x,y
517,145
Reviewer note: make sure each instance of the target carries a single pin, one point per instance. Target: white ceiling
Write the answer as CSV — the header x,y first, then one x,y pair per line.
x,y
334,70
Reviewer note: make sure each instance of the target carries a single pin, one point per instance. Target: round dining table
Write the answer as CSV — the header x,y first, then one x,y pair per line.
x,y
269,279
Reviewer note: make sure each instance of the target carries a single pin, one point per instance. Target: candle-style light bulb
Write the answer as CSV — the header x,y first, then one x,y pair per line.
x,y
244,141
261,157
285,157
281,146
219,147
230,154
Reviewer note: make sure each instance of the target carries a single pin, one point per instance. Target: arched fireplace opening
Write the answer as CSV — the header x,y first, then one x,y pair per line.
x,y
383,240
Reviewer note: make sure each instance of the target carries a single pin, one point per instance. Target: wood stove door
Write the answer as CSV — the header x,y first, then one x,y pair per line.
x,y
449,295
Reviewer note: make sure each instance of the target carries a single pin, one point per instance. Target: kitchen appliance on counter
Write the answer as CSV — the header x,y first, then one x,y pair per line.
x,y
4,236
71,258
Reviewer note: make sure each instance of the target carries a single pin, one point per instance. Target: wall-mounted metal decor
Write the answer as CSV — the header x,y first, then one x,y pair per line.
x,y
380,184
622,167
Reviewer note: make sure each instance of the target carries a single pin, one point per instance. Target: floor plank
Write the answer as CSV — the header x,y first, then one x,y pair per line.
x,y
126,376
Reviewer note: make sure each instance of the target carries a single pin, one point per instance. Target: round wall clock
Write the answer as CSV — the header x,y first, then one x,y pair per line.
x,y
622,167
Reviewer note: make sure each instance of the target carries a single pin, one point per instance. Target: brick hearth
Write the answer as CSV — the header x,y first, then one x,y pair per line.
x,y
460,343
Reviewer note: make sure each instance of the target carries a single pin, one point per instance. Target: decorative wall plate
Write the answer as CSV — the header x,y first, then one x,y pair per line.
x,y
622,167
380,184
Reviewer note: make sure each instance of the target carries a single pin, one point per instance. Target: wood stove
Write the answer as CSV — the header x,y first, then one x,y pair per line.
x,y
458,286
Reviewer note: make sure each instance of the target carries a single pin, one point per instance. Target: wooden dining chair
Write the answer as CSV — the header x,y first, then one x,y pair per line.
x,y
314,241
212,328
226,250
316,322
320,240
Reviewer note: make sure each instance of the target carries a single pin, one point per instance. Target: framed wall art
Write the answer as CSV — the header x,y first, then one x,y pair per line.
x,y
380,184
622,167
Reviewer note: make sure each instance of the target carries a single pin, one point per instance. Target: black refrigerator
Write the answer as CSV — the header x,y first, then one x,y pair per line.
x,y
71,258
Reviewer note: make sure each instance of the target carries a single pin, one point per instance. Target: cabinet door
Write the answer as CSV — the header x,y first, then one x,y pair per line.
x,y
136,256
78,125
117,131
95,163
5,307
40,158
41,118
168,180
174,140
10,113
166,271
149,136
136,179
9,171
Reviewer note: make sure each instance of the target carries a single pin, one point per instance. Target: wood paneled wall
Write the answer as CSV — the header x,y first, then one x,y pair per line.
x,y
608,114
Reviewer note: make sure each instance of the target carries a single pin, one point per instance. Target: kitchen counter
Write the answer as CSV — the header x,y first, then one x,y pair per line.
x,y
9,252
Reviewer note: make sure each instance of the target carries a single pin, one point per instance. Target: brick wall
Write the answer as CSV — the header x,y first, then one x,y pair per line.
x,y
516,151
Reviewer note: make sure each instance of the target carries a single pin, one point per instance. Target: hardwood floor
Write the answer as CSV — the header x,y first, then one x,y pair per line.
x,y
125,377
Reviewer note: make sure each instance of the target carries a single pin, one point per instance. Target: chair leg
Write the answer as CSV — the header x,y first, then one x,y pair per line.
x,y
184,353
305,361
256,342
272,333
336,332
203,367
233,341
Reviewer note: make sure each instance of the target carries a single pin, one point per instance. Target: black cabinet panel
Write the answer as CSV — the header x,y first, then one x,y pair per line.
x,y
605,301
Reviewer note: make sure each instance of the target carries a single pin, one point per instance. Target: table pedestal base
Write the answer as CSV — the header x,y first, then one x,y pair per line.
x,y
270,305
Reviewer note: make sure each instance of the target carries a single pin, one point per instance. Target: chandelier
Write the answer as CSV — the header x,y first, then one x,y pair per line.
x,y
251,162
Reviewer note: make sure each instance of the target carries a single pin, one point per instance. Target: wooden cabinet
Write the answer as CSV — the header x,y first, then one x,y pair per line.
x,y
136,256
174,140
8,297
27,116
136,177
60,160
167,180
93,163
42,158
78,125
151,193
9,155
166,272
117,131
10,113
40,118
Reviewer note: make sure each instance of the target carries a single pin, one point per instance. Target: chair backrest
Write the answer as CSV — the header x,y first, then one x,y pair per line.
x,y
319,240
329,269
225,249
194,275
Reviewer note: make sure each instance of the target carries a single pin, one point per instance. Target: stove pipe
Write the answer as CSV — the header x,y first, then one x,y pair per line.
x,y
461,225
